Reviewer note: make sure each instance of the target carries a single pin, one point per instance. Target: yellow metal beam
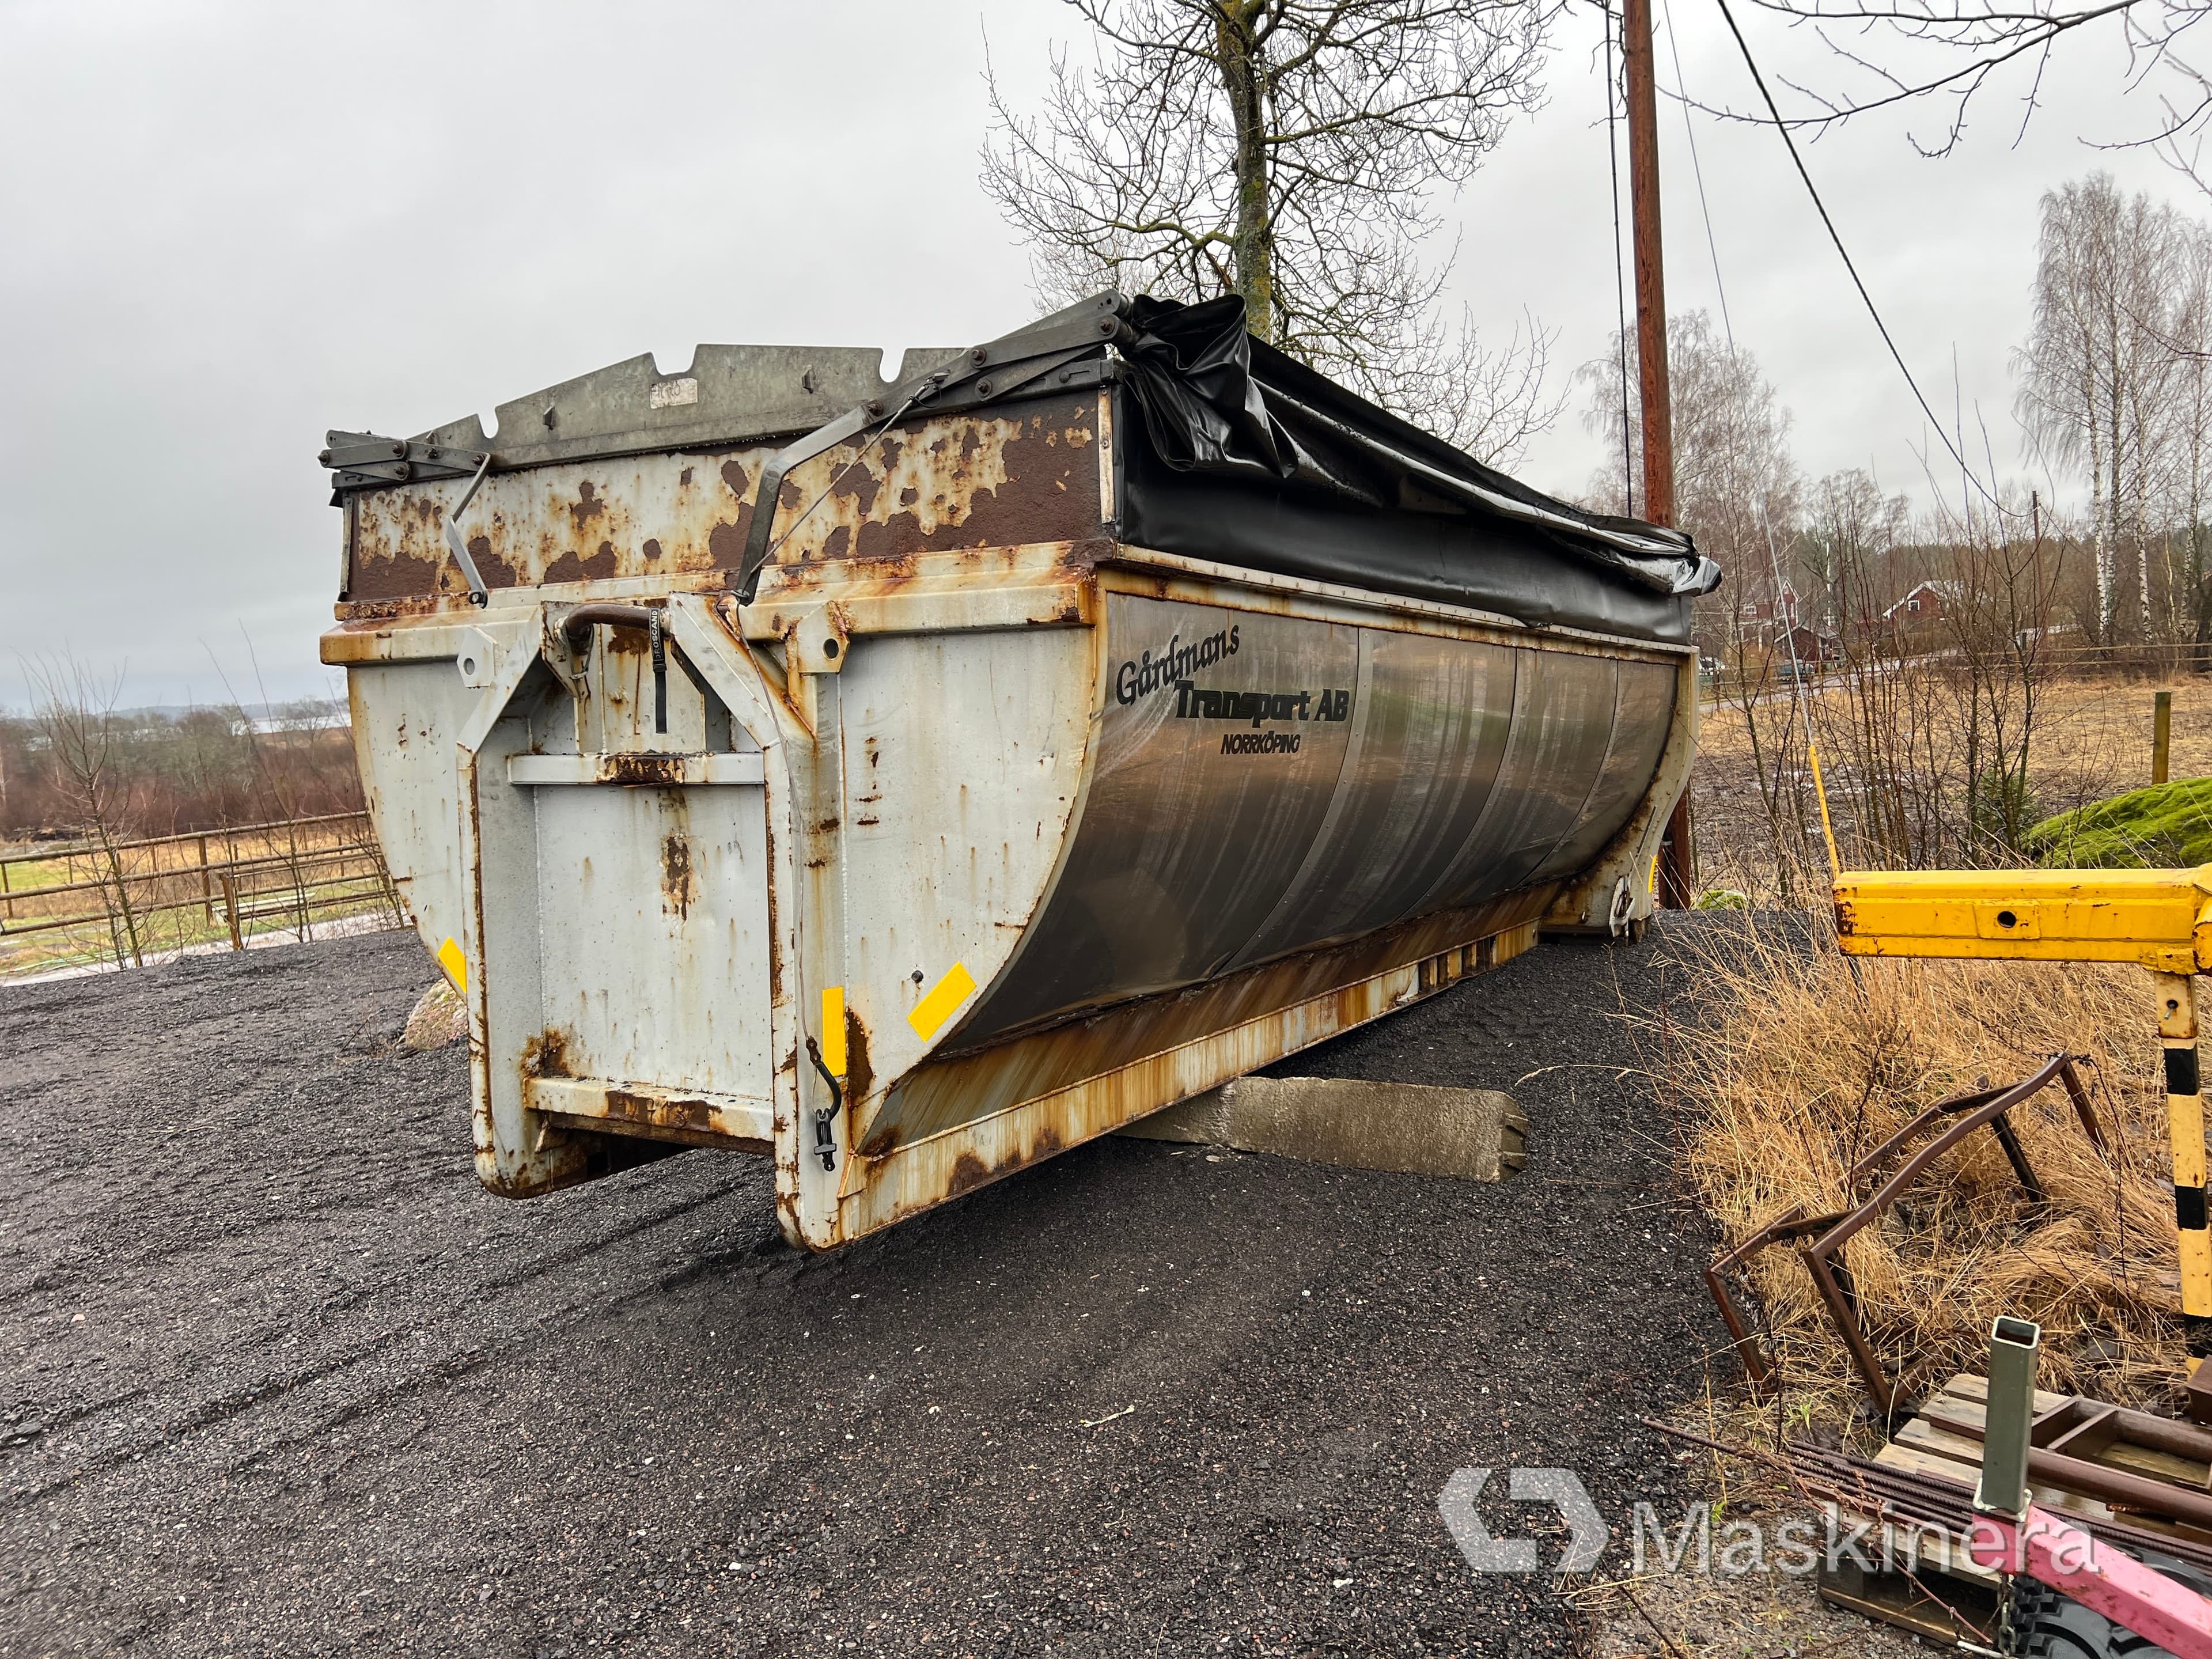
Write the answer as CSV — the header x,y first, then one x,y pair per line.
x,y
2160,920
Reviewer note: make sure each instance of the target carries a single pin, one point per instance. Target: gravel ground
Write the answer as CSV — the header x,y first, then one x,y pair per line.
x,y
281,1379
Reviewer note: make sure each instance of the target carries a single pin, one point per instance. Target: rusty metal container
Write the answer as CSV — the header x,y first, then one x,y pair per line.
x,y
1101,713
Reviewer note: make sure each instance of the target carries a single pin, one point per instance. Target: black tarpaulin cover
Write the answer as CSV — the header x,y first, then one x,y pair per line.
x,y
1243,456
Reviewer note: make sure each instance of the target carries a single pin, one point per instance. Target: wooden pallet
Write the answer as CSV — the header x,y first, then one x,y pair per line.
x,y
1925,1447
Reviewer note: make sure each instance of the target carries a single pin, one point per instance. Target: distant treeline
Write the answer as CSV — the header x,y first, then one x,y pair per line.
x,y
72,769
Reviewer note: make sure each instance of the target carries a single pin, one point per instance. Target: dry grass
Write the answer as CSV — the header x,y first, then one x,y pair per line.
x,y
1812,1059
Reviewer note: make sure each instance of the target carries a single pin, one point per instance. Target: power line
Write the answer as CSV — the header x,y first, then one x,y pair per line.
x,y
1836,237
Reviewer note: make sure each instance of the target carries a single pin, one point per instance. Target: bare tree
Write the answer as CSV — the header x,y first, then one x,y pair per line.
x,y
1851,528
1288,151
1996,621
85,745
1909,55
1736,491
1736,488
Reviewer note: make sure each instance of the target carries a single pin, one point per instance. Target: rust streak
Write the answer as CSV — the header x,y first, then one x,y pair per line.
x,y
678,884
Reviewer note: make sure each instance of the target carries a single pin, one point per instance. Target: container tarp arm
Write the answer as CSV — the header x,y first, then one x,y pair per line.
x,y
981,374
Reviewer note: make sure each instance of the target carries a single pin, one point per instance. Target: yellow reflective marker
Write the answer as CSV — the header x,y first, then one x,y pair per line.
x,y
947,995
833,1030
455,964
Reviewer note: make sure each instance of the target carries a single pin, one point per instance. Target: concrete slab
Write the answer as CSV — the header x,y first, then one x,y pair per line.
x,y
1468,1134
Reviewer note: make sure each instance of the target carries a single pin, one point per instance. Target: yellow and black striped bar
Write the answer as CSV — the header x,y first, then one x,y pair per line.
x,y
2185,1114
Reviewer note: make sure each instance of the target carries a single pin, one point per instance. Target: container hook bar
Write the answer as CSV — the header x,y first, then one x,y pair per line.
x,y
577,626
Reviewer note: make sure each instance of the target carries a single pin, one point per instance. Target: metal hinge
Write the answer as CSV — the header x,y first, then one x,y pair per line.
x,y
361,460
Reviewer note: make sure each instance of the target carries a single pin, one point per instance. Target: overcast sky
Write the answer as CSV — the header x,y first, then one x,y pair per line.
x,y
230,227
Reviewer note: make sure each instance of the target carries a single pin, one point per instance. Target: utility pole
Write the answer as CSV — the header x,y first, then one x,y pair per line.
x,y
1677,856
1650,272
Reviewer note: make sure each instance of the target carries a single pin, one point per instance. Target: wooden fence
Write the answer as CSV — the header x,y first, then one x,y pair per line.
x,y
129,900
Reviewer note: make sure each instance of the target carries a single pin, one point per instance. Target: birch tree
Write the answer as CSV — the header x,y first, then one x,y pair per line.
x,y
1910,56
1291,152
2101,374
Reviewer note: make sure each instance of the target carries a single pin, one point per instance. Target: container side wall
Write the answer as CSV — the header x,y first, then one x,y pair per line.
x,y
1644,708
961,754
406,716
1430,719
1222,737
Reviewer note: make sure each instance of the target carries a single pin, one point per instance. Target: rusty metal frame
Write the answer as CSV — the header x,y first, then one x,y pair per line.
x,y
1819,1240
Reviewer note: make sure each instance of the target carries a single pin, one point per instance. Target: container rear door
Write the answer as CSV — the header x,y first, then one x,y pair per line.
x,y
653,930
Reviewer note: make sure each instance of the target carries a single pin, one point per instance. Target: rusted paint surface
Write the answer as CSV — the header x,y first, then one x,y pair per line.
x,y
860,1074
666,1113
995,478
642,768
546,1055
688,1122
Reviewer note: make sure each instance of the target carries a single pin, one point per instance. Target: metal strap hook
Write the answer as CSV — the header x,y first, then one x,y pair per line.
x,y
479,595
825,1143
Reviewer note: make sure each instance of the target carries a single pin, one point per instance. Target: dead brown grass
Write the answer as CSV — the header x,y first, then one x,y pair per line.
x,y
1812,1059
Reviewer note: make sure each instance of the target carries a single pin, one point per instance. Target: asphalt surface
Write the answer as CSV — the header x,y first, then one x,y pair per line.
x,y
280,1378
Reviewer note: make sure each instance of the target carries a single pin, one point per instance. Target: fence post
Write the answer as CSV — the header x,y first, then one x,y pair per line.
x,y
230,908
207,892
2161,736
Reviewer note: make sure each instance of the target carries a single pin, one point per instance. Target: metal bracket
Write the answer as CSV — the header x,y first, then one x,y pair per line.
x,y
1623,908
363,460
819,640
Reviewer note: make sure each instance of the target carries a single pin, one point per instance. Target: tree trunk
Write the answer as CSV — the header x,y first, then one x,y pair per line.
x,y
1243,73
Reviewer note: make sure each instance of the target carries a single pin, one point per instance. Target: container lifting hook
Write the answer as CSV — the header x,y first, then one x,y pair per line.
x,y
578,627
